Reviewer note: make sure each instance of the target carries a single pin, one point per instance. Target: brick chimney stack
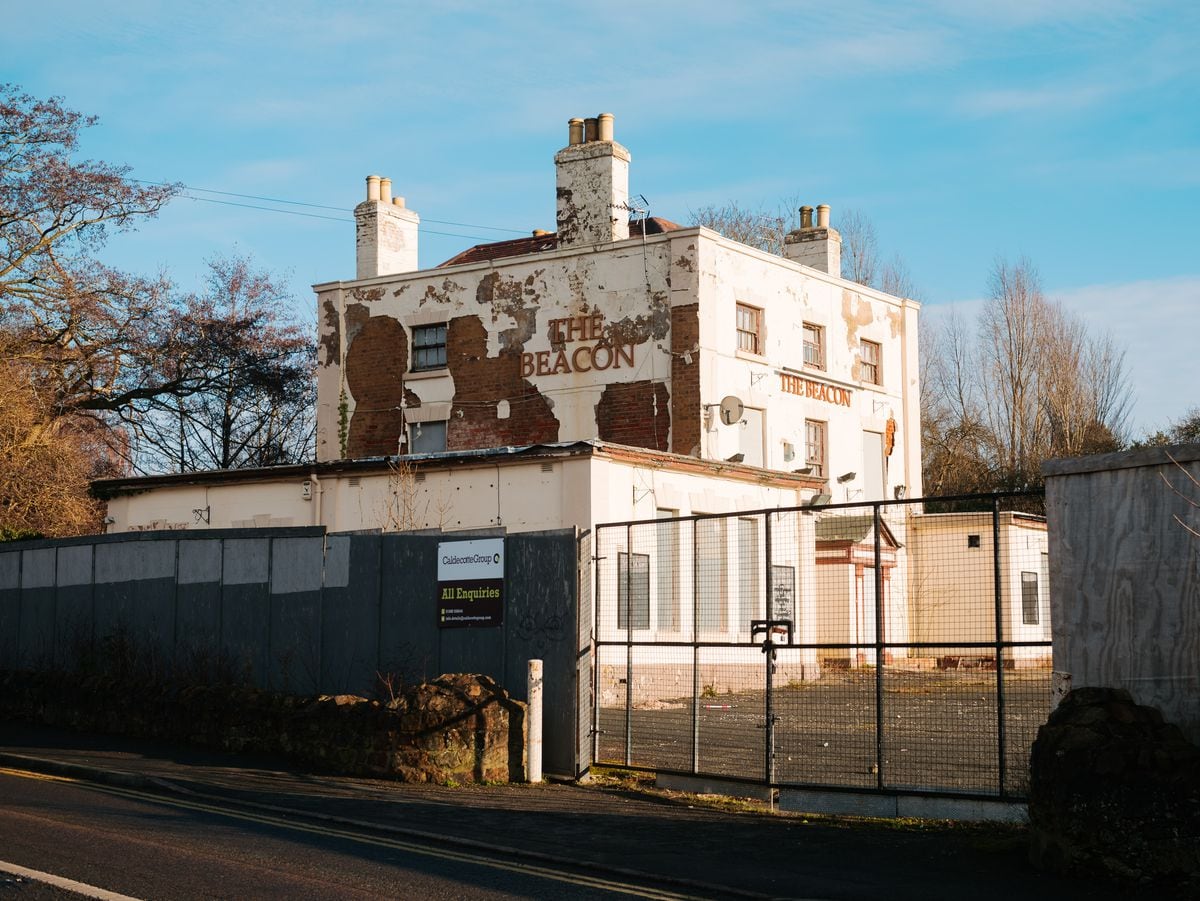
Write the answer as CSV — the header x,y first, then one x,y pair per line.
x,y
818,246
593,184
385,232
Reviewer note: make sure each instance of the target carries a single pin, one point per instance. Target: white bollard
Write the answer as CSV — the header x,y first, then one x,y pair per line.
x,y
533,730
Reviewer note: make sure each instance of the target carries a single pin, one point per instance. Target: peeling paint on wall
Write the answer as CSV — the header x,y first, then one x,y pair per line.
x,y
376,362
635,413
481,382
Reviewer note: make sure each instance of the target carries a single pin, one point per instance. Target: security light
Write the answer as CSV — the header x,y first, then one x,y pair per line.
x,y
736,458
819,500
846,477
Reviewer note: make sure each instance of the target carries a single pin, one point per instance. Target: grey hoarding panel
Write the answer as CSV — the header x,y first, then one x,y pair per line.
x,y
350,618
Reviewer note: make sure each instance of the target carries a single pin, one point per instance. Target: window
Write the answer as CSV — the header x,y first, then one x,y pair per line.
x,y
749,329
870,355
711,574
633,591
749,593
667,580
429,347
814,345
1030,615
427,437
972,541
814,446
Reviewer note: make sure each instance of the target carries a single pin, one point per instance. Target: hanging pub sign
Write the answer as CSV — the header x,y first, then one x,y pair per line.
x,y
470,583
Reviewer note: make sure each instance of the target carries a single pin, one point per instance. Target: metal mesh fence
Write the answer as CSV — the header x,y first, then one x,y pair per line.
x,y
880,646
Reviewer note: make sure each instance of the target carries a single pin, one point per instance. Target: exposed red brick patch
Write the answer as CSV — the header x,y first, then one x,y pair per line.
x,y
685,378
635,413
376,362
480,382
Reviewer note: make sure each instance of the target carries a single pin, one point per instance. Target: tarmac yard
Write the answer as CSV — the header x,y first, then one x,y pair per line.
x,y
939,731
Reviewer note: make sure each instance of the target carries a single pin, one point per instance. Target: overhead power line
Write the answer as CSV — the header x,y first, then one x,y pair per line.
x,y
319,206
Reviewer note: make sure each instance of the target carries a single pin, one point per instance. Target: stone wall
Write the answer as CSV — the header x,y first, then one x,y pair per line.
x,y
457,728
1114,789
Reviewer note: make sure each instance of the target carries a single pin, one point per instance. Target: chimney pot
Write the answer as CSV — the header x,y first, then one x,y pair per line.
x,y
823,215
590,130
385,190
398,201
540,232
604,124
806,216
575,131
373,187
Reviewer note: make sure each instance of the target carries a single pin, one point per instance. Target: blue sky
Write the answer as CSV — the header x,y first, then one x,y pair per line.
x,y
1067,132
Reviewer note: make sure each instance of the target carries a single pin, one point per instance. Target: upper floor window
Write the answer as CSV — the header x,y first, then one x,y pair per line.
x,y
427,437
749,329
814,345
429,347
870,354
815,446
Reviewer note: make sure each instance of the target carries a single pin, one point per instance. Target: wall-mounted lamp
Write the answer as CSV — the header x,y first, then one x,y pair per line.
x,y
736,458
846,477
803,471
820,500
899,491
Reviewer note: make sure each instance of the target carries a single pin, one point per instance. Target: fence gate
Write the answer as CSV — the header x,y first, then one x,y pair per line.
x,y
880,647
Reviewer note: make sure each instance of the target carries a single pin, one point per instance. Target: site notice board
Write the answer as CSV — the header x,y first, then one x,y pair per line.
x,y
470,583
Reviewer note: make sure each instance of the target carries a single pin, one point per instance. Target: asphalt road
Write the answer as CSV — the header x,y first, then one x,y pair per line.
x,y
146,846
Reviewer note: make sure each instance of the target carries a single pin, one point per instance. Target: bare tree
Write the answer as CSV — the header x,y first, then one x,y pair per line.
x,y
860,248
1032,384
254,401
766,230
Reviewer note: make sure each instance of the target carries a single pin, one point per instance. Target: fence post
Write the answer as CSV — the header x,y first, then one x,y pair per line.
x,y
879,648
533,731
1001,738
628,642
695,646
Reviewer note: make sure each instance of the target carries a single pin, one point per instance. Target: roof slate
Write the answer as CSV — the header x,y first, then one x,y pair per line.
x,y
515,247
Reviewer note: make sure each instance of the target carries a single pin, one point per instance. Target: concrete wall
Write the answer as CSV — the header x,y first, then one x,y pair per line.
x,y
1125,575
952,588
298,610
530,495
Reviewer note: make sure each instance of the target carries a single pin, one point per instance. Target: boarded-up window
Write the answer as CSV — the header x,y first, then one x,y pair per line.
x,y
749,590
667,582
711,556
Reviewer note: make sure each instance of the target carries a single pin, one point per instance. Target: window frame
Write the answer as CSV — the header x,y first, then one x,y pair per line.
x,y
819,461
819,344
1027,608
870,370
419,427
756,335
419,348
633,585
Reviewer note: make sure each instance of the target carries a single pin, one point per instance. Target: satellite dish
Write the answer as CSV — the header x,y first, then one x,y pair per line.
x,y
731,409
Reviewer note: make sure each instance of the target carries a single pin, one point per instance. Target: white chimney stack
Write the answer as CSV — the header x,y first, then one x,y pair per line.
x,y
385,232
593,184
818,246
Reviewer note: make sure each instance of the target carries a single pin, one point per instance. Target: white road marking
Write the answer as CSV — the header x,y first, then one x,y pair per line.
x,y
79,888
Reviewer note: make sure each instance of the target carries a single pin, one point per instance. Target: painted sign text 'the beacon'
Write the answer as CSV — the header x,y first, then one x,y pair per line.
x,y
591,351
